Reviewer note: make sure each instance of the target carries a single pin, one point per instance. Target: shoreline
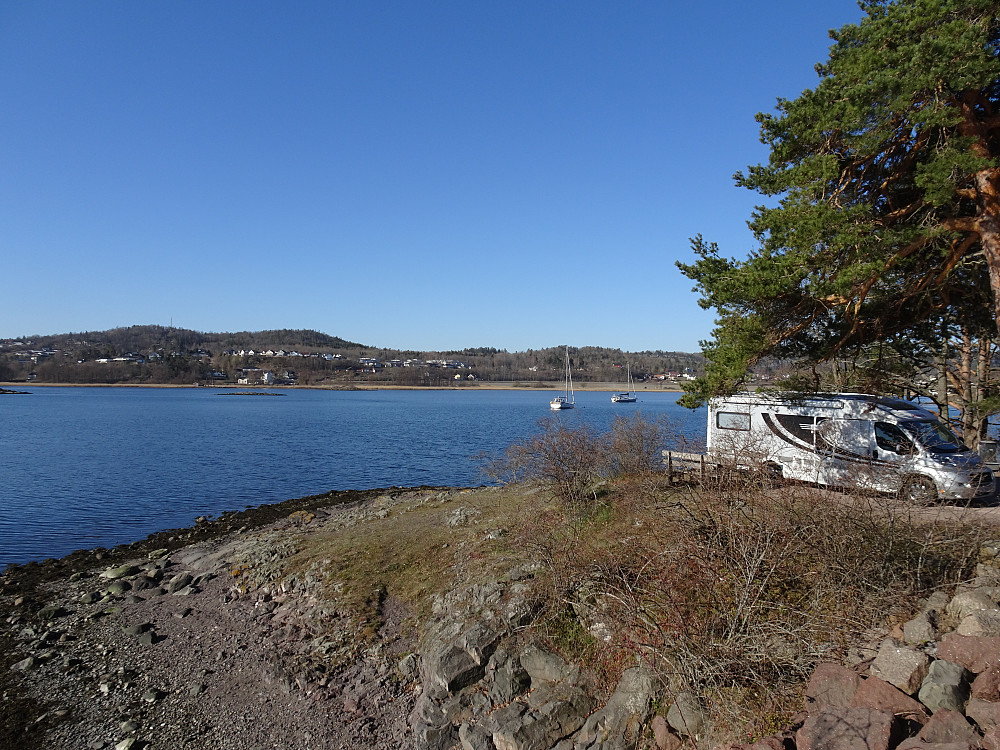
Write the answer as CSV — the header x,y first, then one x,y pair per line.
x,y
597,387
170,645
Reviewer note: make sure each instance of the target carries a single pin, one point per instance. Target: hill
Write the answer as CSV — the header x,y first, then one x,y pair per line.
x,y
150,354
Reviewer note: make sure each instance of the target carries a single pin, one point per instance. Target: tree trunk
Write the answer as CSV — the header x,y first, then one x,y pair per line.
x,y
988,186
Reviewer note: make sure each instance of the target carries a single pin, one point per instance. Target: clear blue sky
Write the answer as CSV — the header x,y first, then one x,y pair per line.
x,y
421,175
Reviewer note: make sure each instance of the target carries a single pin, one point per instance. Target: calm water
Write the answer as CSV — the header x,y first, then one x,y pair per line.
x,y
89,467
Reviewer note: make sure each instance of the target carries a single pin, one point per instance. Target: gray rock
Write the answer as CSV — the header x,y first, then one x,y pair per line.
x,y
178,582
452,667
122,571
981,622
51,612
900,666
936,603
686,716
509,679
968,601
544,666
945,687
558,712
25,664
621,721
919,630
475,737
119,588
407,666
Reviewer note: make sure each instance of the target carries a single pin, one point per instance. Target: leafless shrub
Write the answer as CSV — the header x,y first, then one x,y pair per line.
x,y
737,587
636,445
572,460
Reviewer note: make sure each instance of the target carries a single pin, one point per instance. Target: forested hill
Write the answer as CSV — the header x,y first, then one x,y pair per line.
x,y
150,338
159,354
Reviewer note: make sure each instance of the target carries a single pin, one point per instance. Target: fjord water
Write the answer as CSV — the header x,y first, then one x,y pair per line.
x,y
96,467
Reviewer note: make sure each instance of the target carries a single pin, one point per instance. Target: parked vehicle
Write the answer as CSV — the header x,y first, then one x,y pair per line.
x,y
848,440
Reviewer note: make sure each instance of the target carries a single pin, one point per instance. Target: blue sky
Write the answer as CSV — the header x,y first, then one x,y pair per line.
x,y
421,175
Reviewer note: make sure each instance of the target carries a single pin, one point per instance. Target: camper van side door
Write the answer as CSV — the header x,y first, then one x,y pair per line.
x,y
846,451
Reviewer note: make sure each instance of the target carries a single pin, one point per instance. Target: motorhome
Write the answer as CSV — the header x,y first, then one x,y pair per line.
x,y
848,440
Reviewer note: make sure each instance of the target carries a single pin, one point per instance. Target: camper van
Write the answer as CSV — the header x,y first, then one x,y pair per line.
x,y
848,440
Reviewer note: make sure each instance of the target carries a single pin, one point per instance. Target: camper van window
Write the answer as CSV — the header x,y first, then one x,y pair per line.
x,y
934,436
889,437
730,420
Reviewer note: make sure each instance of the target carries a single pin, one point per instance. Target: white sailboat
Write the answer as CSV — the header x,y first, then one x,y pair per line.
x,y
629,397
568,399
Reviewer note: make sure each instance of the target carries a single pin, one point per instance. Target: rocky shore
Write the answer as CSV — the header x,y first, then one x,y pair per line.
x,y
250,631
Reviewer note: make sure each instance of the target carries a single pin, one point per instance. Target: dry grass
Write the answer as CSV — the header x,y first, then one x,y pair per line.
x,y
733,589
411,554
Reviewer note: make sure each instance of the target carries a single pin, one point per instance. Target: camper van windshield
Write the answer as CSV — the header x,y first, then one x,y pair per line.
x,y
934,436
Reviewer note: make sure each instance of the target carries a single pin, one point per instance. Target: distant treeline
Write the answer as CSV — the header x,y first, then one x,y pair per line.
x,y
158,354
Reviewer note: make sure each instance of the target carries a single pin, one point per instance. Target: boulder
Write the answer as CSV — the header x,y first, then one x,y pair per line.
x,y
122,571
975,653
557,714
509,678
986,686
945,687
985,713
831,685
900,666
686,716
945,727
981,622
879,695
854,728
967,601
919,630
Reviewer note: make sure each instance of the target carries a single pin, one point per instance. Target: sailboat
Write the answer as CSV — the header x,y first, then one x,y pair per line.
x,y
567,400
629,397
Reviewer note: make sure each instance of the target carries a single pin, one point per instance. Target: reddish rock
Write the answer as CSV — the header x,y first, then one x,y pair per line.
x,y
831,685
985,713
991,739
948,727
838,728
975,653
914,744
665,739
987,685
879,695
773,742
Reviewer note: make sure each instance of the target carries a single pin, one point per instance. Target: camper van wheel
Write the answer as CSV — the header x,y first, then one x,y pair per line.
x,y
919,490
774,473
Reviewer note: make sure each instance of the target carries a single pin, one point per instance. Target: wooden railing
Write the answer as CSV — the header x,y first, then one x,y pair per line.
x,y
684,465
